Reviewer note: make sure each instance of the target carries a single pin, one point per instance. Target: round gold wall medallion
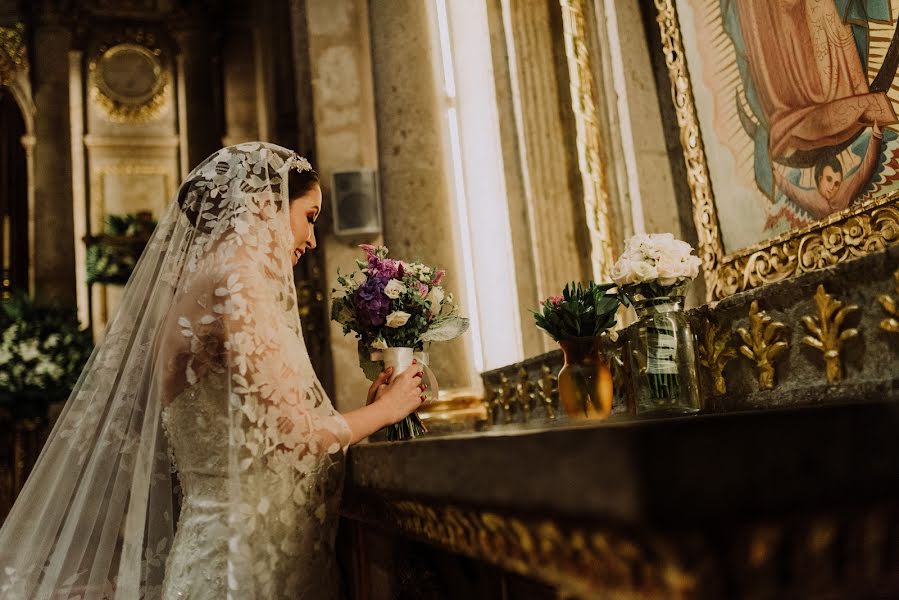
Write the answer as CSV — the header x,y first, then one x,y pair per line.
x,y
129,83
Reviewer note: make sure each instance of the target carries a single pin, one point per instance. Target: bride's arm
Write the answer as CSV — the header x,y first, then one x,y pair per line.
x,y
387,403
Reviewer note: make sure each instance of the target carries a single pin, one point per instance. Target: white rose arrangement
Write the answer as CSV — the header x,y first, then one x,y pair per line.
x,y
655,265
42,352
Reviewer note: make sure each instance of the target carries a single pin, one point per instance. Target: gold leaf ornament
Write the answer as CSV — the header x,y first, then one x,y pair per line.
x,y
826,331
763,343
891,323
715,352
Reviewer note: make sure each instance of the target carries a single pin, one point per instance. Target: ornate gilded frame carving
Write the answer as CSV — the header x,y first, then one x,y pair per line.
x,y
865,228
589,139
13,54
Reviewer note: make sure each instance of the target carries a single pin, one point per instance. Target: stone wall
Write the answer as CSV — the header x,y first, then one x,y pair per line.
x,y
343,105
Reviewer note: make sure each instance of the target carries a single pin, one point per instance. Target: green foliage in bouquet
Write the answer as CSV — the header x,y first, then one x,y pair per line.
x,y
112,257
42,351
579,311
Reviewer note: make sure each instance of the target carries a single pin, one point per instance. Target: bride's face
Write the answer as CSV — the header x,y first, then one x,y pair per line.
x,y
303,214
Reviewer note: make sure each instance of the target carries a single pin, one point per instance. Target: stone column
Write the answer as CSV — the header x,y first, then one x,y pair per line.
x,y
336,116
54,265
199,94
559,235
419,219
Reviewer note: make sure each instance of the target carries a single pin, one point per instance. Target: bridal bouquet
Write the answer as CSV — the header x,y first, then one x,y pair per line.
x,y
390,305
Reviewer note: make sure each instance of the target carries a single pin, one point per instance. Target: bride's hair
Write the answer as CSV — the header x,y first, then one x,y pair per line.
x,y
300,183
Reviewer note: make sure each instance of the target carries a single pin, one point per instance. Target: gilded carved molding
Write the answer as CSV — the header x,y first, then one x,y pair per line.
x,y
587,560
868,227
13,53
705,215
582,562
521,394
591,161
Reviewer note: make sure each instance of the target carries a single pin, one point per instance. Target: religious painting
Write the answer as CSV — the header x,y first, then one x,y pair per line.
x,y
788,117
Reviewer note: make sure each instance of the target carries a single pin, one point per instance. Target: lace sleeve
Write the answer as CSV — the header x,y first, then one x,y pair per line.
x,y
274,394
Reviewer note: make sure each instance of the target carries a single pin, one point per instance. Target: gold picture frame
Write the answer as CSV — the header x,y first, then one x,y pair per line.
x,y
861,229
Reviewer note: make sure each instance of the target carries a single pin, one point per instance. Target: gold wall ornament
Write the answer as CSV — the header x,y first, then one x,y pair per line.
x,y
506,397
525,393
13,53
129,82
715,351
547,390
869,226
589,137
763,343
891,323
827,333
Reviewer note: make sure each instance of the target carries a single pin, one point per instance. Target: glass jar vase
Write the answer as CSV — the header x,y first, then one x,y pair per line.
x,y
660,349
585,381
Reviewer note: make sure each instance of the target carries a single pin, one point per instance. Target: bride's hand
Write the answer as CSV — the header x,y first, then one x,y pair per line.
x,y
402,396
378,386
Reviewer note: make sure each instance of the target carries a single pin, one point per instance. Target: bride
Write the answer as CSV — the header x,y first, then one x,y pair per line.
x,y
203,371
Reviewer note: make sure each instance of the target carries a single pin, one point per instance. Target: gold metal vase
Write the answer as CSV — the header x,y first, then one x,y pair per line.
x,y
585,381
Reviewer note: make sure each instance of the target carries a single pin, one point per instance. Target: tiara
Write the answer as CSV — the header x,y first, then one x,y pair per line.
x,y
302,164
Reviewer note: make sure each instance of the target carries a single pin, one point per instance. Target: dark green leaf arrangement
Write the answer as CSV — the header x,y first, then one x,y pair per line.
x,y
580,311
112,257
42,351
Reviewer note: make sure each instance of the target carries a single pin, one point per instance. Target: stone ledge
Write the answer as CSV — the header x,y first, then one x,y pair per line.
x,y
678,471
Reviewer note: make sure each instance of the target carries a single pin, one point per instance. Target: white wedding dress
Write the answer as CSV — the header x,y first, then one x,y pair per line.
x,y
197,426
203,368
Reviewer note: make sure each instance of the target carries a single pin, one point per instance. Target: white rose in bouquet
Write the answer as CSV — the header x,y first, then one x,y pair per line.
x,y
645,271
394,289
379,344
670,269
691,266
657,259
435,297
397,318
623,271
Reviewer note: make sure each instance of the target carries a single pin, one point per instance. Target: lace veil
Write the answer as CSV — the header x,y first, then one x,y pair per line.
x,y
213,293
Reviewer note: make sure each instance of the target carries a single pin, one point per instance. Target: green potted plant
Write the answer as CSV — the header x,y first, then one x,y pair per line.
x,y
576,319
112,256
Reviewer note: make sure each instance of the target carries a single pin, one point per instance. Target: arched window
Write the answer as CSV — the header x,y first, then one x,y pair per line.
x,y
13,198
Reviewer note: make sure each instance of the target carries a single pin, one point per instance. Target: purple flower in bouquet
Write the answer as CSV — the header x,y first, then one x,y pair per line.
x,y
372,305
382,267
385,268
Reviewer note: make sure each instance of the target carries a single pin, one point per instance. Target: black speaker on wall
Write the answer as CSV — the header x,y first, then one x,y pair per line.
x,y
355,202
